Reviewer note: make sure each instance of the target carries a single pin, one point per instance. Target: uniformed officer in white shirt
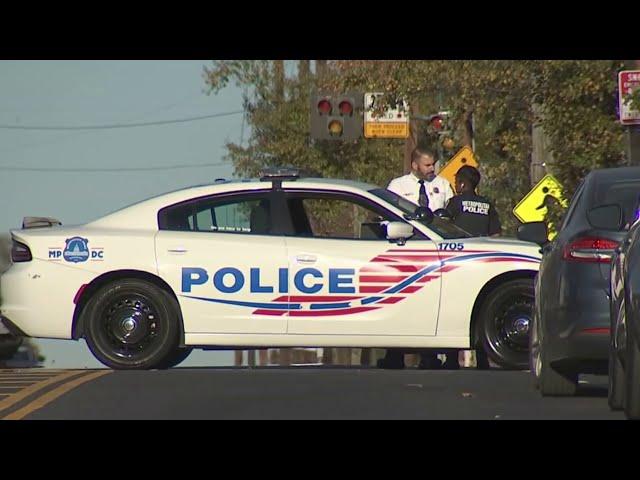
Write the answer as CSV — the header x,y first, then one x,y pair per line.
x,y
423,177
424,188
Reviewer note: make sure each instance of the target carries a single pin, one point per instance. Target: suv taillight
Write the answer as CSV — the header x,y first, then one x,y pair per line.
x,y
590,249
20,252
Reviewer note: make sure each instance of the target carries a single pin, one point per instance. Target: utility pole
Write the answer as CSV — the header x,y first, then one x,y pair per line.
x,y
633,144
541,155
412,140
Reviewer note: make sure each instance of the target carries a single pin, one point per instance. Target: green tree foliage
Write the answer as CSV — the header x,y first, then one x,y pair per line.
x,y
572,101
280,129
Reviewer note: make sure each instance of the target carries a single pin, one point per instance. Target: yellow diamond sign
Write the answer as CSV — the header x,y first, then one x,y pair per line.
x,y
533,207
463,157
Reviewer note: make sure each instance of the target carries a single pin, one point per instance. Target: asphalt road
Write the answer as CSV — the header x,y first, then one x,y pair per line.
x,y
305,393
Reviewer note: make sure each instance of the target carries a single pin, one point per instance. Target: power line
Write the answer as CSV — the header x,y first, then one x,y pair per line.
x,y
120,125
90,170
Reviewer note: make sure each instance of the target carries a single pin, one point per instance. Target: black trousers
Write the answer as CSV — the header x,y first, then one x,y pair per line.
x,y
396,355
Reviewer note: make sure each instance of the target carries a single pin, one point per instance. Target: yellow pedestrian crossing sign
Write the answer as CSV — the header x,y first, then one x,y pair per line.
x,y
533,207
463,157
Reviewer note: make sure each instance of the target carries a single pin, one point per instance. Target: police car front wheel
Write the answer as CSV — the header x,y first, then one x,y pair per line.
x,y
505,323
132,324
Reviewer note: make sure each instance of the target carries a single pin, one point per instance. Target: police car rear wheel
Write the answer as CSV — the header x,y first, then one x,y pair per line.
x,y
132,324
505,321
175,358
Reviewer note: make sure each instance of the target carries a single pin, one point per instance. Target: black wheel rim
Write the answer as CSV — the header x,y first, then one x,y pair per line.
x,y
508,332
129,326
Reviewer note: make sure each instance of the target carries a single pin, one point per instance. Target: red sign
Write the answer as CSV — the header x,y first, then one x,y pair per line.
x,y
628,81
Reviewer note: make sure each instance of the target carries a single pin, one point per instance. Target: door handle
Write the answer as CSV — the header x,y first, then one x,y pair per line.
x,y
177,250
306,259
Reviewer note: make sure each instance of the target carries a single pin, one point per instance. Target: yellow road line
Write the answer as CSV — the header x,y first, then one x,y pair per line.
x,y
22,394
31,371
23,379
16,384
49,397
32,380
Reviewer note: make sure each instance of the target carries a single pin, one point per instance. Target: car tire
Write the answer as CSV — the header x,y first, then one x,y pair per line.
x,y
175,358
616,381
632,379
554,383
534,352
504,322
550,381
132,324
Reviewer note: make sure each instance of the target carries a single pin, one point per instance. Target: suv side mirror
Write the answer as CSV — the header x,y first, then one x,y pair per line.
x,y
423,214
534,232
399,232
606,217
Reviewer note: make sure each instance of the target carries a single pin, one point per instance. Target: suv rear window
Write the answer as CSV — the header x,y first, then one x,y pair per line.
x,y
625,193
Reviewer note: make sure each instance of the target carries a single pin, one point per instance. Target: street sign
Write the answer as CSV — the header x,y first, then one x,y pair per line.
x,y
393,123
463,157
628,81
533,207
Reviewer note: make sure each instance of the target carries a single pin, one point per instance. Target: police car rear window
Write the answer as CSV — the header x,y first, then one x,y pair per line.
x,y
444,228
249,214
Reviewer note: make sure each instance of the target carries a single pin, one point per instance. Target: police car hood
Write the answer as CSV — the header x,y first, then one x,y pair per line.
x,y
503,244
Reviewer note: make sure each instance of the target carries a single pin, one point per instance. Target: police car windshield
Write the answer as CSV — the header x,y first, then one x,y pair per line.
x,y
444,228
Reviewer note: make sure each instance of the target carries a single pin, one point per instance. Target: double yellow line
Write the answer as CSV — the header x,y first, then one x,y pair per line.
x,y
70,380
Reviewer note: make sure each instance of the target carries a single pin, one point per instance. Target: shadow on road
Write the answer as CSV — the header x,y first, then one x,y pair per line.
x,y
592,391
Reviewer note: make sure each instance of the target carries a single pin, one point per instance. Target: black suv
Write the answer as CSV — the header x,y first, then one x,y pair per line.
x,y
571,319
624,350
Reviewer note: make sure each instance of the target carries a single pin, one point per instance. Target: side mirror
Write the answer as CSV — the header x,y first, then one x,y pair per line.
x,y
534,232
399,232
443,213
606,217
422,214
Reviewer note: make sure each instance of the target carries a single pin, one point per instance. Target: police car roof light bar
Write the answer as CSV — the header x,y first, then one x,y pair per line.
x,y
38,222
279,173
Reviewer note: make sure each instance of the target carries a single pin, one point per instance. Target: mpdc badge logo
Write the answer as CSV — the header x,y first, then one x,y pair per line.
x,y
76,250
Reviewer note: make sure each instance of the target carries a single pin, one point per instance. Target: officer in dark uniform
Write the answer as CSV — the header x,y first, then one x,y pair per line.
x,y
470,211
476,215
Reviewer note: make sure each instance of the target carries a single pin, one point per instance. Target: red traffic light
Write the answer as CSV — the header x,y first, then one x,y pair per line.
x,y
345,107
436,123
324,107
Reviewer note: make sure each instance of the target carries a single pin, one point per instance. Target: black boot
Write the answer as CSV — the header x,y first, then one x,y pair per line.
x,y
482,362
393,359
429,361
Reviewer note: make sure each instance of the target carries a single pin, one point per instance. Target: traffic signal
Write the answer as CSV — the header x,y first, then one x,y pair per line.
x,y
440,123
335,117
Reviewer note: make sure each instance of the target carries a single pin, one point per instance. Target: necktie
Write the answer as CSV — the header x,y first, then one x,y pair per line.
x,y
423,200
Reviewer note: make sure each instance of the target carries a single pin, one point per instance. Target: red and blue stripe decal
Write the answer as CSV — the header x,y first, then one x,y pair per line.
x,y
385,280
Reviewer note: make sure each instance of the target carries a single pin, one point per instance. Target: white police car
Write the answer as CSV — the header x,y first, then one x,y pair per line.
x,y
280,261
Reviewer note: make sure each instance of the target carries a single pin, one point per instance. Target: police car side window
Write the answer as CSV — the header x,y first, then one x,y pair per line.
x,y
336,216
248,214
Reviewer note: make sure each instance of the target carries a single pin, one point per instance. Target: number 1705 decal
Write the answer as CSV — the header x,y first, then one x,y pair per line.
x,y
451,246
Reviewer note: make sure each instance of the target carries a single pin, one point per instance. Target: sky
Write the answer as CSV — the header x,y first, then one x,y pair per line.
x,y
91,93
